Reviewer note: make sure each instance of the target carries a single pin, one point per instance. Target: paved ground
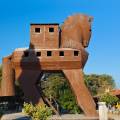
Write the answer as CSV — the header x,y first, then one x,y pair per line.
x,y
21,116
72,117
115,117
15,116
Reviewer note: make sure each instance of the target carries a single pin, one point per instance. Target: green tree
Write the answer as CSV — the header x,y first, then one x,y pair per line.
x,y
109,99
67,99
52,84
97,84
57,87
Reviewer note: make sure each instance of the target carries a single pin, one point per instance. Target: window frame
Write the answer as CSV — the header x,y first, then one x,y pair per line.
x,y
26,54
53,30
38,53
61,53
76,53
49,53
37,31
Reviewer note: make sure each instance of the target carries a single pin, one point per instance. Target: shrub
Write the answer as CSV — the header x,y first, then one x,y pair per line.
x,y
37,112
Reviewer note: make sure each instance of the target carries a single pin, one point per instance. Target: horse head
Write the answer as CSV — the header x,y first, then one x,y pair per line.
x,y
76,31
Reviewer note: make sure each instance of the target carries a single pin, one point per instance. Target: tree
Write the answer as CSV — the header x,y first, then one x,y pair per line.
x,y
109,99
56,87
97,84
67,99
51,85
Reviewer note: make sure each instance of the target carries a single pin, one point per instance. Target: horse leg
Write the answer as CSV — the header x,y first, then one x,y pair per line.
x,y
8,78
28,82
84,99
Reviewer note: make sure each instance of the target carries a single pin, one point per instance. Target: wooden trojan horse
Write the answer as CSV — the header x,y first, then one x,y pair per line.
x,y
52,49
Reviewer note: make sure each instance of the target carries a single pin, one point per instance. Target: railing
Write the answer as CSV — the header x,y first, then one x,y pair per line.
x,y
10,103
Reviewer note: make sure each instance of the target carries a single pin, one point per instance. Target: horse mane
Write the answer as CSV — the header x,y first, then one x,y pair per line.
x,y
74,19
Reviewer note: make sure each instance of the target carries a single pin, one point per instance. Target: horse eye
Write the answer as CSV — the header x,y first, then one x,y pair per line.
x,y
90,30
89,20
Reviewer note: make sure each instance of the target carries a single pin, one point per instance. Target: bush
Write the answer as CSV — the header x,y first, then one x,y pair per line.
x,y
109,99
37,112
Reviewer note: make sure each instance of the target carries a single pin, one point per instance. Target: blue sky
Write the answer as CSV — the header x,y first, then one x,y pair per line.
x,y
104,48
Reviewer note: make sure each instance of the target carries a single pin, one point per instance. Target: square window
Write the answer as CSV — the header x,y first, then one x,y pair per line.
x,y
51,29
49,53
38,54
76,53
26,54
61,53
37,30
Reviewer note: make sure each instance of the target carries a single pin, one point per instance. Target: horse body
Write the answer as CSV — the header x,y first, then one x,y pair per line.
x,y
28,68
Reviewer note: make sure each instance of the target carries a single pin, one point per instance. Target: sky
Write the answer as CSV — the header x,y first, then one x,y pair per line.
x,y
104,47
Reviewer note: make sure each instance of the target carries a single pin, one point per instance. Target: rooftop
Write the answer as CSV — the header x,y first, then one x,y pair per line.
x,y
115,92
44,24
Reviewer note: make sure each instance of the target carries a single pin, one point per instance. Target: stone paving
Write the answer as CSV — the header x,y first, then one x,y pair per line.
x,y
15,116
72,117
21,116
114,117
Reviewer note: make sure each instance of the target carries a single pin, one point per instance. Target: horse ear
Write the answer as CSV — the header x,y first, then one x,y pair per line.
x,y
90,19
